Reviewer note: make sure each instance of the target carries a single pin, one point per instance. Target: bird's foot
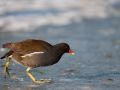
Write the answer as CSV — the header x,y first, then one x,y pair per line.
x,y
42,81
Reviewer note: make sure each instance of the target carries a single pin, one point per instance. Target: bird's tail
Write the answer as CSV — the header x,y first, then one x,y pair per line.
x,y
6,55
7,45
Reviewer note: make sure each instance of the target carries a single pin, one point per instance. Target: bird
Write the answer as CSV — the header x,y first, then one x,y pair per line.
x,y
33,53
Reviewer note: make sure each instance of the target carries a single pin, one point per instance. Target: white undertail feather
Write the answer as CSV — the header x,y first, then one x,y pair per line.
x,y
2,49
11,57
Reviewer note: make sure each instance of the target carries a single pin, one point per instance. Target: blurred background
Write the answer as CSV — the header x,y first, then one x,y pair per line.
x,y
91,27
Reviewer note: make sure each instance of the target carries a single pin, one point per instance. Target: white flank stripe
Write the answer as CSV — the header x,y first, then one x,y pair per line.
x,y
30,54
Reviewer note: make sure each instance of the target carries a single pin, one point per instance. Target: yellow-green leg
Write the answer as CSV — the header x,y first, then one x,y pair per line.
x,y
6,69
41,81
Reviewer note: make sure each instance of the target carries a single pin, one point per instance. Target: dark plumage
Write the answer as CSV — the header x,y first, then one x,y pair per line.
x,y
49,54
34,53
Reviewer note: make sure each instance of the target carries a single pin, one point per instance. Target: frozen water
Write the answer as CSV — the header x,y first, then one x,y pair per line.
x,y
92,28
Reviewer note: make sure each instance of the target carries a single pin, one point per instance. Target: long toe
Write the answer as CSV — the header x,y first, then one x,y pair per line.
x,y
42,81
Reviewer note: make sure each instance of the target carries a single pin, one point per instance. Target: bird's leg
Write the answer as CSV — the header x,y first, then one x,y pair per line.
x,y
6,69
41,81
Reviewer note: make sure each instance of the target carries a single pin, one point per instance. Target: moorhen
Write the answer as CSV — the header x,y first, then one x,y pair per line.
x,y
34,53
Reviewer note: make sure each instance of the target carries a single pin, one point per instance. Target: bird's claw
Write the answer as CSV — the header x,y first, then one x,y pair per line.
x,y
42,81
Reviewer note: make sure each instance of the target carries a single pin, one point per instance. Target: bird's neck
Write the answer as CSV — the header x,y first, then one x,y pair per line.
x,y
59,50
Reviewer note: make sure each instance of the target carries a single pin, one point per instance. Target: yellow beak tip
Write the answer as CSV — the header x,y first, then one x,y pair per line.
x,y
72,54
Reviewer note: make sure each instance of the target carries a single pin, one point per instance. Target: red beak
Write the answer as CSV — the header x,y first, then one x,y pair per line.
x,y
71,52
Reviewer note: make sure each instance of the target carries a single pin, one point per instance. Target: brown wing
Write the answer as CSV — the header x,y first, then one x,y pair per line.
x,y
29,46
